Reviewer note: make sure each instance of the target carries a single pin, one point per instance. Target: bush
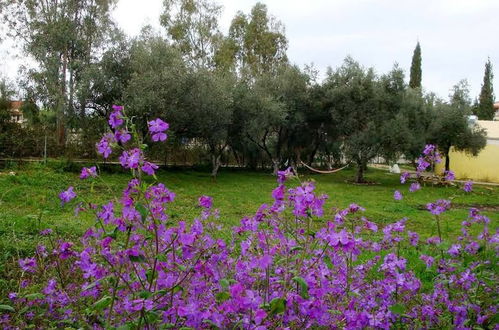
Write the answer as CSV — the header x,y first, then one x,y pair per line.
x,y
289,265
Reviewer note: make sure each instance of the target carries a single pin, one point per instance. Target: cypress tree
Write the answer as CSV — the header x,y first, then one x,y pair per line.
x,y
415,78
485,109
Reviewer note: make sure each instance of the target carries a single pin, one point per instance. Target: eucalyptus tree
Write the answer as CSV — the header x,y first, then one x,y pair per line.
x,y
192,26
256,43
62,37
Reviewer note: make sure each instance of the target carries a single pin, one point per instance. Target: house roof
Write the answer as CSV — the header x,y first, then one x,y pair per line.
x,y
16,105
492,128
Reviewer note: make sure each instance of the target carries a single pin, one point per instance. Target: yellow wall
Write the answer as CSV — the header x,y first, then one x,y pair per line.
x,y
484,167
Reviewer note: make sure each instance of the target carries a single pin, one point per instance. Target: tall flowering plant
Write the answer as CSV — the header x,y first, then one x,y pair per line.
x,y
286,266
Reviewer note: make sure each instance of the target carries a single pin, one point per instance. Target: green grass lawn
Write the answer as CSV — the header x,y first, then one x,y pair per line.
x,y
29,202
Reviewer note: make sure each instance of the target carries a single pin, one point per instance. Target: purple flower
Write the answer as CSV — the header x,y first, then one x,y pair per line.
x,y
472,248
205,201
131,158
116,118
413,238
65,250
433,240
282,176
28,265
422,164
404,176
454,250
438,207
427,260
449,176
149,168
88,172
67,196
468,186
157,128
415,186
46,232
122,136
12,295
104,145
264,261
107,213
159,137
157,125
428,149
397,195
352,208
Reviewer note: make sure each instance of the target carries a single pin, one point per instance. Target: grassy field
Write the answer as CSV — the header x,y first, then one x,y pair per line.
x,y
29,203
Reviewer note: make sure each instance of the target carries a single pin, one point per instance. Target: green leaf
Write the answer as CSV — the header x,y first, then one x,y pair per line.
x,y
277,306
222,296
145,294
211,323
303,286
149,275
143,211
398,309
33,296
296,248
328,262
7,308
124,327
102,303
91,285
177,289
139,258
152,317
224,283
161,257
113,234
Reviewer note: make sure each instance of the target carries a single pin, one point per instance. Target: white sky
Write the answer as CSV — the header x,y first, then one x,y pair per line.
x,y
456,36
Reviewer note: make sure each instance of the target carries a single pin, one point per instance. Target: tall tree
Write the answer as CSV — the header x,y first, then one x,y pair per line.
x,y
257,42
485,109
416,73
354,99
193,28
62,37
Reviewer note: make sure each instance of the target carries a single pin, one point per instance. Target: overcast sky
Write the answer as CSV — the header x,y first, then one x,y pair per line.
x,y
456,36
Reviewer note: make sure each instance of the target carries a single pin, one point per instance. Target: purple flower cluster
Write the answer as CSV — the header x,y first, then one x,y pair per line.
x,y
67,195
279,268
449,176
104,145
439,207
116,117
157,129
87,172
397,195
468,186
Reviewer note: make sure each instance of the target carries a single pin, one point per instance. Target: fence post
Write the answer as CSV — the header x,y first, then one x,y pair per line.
x,y
45,151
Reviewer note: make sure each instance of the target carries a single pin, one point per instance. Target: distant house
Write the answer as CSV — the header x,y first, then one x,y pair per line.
x,y
485,166
16,114
496,115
